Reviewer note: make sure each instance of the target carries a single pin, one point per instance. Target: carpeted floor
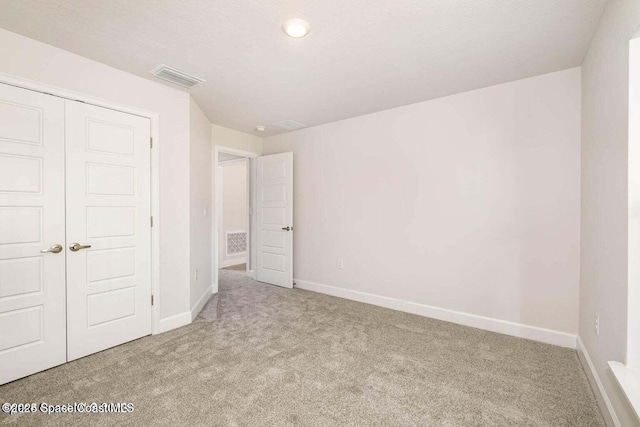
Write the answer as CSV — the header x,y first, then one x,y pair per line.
x,y
262,355
239,267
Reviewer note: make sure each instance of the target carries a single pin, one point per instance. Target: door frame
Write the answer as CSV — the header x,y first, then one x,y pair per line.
x,y
251,220
154,117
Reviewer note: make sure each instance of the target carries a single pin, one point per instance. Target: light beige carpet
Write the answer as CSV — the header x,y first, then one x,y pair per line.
x,y
239,267
262,355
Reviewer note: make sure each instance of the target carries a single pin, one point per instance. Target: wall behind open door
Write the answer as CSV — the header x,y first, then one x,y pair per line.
x,y
233,232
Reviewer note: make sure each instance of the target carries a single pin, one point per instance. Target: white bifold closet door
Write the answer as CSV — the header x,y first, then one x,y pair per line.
x,y
108,219
32,283
75,202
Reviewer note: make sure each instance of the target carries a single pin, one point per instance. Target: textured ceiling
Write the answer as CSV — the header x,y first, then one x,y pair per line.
x,y
361,56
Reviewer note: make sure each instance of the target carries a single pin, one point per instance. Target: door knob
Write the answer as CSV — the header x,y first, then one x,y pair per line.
x,y
54,249
75,247
287,228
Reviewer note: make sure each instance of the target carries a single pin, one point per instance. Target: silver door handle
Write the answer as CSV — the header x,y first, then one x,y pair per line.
x,y
75,247
54,249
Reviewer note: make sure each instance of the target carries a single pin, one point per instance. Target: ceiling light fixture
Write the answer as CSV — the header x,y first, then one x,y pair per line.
x,y
260,128
296,27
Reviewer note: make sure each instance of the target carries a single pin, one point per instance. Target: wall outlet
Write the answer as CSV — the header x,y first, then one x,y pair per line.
x,y
340,263
196,274
597,325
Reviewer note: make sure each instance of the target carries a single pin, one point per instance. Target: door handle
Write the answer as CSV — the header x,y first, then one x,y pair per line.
x,y
287,228
75,247
54,249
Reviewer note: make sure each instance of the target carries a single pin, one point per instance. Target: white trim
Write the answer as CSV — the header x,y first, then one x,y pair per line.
x,y
231,262
629,381
235,151
224,163
204,298
216,188
251,274
154,117
520,330
155,230
175,321
602,398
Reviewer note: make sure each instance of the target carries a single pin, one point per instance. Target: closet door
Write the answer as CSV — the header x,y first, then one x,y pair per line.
x,y
32,255
108,228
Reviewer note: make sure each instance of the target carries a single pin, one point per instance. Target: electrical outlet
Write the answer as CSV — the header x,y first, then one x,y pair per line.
x,y
340,263
597,325
196,274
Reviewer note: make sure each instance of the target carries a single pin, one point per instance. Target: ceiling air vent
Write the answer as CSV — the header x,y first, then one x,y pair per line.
x,y
178,77
290,125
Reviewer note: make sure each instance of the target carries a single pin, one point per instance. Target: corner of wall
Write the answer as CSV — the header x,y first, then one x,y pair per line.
x,y
599,390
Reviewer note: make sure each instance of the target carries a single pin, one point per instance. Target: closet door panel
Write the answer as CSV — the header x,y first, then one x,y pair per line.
x,y
108,217
32,282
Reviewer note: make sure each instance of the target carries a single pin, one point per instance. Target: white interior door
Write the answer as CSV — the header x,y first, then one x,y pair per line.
x,y
32,282
275,219
108,221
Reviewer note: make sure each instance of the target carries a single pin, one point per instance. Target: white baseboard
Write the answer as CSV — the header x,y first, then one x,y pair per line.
x,y
251,274
201,302
232,262
173,322
520,330
606,407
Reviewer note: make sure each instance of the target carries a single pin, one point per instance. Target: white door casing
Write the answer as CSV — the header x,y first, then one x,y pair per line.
x,y
32,283
275,219
108,209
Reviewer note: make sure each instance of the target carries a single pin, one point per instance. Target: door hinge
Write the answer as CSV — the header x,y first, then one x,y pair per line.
x,y
151,221
151,299
151,142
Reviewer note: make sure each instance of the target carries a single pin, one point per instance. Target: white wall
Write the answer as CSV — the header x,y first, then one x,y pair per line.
x,y
234,207
235,139
27,58
604,230
200,206
469,202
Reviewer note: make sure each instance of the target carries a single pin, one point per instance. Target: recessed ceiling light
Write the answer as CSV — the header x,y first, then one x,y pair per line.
x,y
296,27
260,128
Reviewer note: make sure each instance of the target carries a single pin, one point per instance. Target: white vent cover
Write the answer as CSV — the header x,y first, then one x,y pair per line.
x,y
236,242
290,125
178,77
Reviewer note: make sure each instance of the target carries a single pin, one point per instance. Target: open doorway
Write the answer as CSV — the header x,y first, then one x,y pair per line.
x,y
233,225
253,235
233,215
